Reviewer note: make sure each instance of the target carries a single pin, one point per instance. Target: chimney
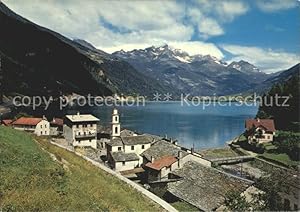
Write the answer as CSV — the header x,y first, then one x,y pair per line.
x,y
192,150
152,159
258,120
44,117
179,159
166,136
78,114
179,154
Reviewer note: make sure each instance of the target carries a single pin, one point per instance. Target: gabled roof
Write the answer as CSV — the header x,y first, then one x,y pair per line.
x,y
121,156
115,142
138,139
162,148
7,122
267,124
162,162
205,187
27,121
57,121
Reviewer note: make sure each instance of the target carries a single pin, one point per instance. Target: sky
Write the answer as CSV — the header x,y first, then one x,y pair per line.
x,y
265,33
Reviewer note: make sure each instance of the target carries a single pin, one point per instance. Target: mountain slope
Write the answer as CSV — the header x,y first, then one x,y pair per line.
x,y
278,77
287,84
38,61
197,75
32,181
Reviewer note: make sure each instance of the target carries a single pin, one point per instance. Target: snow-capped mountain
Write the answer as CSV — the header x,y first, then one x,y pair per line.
x,y
194,74
244,67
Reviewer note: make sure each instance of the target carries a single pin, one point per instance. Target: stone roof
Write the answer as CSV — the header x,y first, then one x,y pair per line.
x,y
139,139
115,142
162,148
127,132
267,124
121,156
204,187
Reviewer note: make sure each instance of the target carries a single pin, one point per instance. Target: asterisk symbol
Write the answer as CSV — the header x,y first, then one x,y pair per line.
x,y
156,97
168,96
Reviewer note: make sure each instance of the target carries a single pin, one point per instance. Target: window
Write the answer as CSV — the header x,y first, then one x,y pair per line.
x,y
116,130
41,132
268,137
132,147
41,126
90,140
77,126
123,163
116,118
119,148
45,126
143,146
78,133
45,132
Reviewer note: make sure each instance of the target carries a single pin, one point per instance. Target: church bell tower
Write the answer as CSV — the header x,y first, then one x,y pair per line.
x,y
115,124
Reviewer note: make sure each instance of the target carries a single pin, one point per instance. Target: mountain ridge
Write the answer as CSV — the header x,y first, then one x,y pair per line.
x,y
43,62
195,74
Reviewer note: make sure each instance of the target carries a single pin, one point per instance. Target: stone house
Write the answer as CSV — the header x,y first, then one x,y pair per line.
x,y
121,161
159,169
164,157
80,130
259,130
56,126
38,126
132,145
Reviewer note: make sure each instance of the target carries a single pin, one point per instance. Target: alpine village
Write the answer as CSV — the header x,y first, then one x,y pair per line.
x,y
77,160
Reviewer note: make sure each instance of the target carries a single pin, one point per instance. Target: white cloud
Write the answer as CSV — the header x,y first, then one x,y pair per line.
x,y
228,10
209,27
108,24
276,5
197,47
267,60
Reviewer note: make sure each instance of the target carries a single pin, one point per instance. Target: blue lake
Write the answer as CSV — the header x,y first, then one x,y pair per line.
x,y
191,125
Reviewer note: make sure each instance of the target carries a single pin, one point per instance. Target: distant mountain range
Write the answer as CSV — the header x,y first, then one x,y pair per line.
x,y
197,74
38,61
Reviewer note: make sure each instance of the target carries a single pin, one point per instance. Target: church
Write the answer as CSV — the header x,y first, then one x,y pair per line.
x,y
123,151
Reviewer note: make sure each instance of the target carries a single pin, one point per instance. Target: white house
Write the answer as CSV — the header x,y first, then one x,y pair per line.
x,y
81,130
123,152
260,130
38,126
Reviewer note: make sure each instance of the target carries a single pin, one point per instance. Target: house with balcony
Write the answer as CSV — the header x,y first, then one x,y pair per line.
x,y
80,130
259,130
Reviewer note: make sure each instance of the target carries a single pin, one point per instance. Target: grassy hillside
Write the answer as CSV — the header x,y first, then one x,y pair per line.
x,y
31,180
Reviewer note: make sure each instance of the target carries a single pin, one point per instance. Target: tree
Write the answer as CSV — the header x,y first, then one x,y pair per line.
x,y
236,202
285,117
